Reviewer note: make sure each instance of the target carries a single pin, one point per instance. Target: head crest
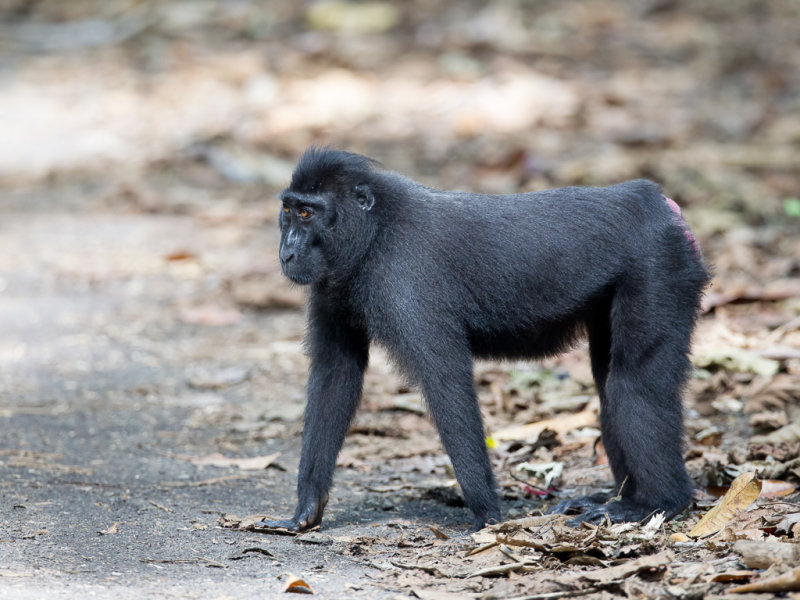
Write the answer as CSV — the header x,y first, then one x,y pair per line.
x,y
319,167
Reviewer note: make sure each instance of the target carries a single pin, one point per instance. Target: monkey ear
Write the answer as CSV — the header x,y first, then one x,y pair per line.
x,y
364,196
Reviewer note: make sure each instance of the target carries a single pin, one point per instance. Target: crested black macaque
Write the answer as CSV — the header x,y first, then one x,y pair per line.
x,y
440,277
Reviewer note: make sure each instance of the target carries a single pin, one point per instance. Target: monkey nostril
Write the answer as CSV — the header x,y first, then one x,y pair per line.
x,y
287,255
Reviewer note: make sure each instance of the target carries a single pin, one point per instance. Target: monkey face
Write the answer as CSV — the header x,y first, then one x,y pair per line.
x,y
327,219
300,250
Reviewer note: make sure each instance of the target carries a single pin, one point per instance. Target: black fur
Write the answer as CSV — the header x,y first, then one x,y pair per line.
x,y
438,277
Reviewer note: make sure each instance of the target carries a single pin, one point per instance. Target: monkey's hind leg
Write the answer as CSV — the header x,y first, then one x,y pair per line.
x,y
641,409
651,326
599,329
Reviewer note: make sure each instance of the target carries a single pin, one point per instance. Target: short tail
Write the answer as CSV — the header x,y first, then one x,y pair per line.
x,y
686,231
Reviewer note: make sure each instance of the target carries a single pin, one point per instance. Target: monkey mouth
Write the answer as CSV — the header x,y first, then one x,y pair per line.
x,y
296,277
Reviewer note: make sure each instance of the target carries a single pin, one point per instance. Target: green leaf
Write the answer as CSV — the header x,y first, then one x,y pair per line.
x,y
791,206
353,17
734,359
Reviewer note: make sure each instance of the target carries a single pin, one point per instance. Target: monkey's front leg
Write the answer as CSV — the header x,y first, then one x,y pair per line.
x,y
338,360
449,390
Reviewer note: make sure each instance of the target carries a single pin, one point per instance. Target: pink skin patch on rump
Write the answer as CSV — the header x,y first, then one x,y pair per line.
x,y
677,210
673,205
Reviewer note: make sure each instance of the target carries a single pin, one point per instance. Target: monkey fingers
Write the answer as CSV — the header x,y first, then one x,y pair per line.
x,y
289,524
307,516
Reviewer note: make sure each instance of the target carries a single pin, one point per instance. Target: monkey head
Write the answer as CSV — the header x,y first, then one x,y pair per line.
x,y
324,221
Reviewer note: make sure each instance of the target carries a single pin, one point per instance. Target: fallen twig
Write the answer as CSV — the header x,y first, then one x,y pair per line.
x,y
517,567
184,561
430,570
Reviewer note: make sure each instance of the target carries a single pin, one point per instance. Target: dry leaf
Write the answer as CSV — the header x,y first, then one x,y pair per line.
x,y
111,530
296,585
484,536
787,582
561,424
653,526
782,453
789,523
779,290
789,433
729,576
254,463
762,555
438,533
768,420
734,359
744,490
544,472
653,563
772,488
746,525
771,393
680,537
514,525
179,255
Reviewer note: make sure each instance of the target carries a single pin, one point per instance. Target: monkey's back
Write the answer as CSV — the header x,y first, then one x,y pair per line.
x,y
527,270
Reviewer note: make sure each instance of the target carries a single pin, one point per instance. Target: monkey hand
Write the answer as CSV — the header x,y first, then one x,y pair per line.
x,y
307,516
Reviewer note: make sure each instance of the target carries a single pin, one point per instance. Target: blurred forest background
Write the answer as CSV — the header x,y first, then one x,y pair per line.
x,y
163,106
142,147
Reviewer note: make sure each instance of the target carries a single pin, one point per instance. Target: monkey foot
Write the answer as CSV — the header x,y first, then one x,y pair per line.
x,y
597,508
579,505
481,522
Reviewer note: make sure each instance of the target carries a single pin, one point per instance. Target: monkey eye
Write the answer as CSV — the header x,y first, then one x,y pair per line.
x,y
285,209
304,213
